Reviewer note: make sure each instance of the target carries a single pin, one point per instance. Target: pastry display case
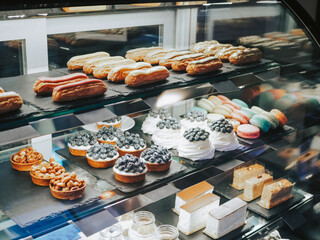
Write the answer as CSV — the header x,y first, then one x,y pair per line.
x,y
172,120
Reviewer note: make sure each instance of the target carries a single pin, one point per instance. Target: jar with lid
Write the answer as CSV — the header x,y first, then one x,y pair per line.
x,y
167,232
143,226
112,233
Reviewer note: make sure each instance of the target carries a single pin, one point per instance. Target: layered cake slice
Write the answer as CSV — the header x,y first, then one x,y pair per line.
x,y
226,218
191,193
241,174
275,193
193,215
253,186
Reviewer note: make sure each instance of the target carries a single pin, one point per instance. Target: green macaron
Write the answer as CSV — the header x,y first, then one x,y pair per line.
x,y
274,122
240,103
260,122
248,112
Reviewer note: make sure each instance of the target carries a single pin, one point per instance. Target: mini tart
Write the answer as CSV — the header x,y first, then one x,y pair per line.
x,y
130,169
109,135
81,142
42,173
130,143
102,155
115,122
25,158
63,186
157,158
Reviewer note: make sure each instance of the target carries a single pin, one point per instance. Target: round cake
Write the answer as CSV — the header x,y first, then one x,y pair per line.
x,y
167,133
154,116
81,142
129,169
102,155
223,136
194,119
157,158
115,122
130,143
109,135
195,145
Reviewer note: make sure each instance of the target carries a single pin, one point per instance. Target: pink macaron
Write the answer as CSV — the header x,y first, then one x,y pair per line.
x,y
240,116
248,131
223,98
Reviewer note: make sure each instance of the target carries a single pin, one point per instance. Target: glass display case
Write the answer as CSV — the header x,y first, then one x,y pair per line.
x,y
238,88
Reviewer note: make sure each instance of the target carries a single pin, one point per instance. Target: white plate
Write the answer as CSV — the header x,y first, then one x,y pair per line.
x,y
126,124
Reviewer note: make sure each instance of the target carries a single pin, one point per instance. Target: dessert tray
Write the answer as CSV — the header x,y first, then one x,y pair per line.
x,y
126,124
23,112
108,175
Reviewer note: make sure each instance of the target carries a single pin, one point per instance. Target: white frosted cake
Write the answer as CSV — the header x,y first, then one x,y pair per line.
x,y
191,193
226,218
193,215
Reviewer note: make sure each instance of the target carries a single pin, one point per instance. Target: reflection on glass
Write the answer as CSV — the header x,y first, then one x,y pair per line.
x,y
11,53
61,47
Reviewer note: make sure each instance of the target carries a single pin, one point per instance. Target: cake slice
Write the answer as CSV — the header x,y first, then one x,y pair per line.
x,y
253,186
226,218
193,215
275,193
190,193
241,174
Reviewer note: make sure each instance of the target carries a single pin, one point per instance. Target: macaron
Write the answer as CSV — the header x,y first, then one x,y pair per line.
x,y
248,112
240,102
236,106
257,110
312,104
280,116
265,87
274,122
240,116
198,109
264,100
215,100
248,131
277,93
206,104
234,123
250,93
284,104
223,110
223,98
260,122
214,117
230,106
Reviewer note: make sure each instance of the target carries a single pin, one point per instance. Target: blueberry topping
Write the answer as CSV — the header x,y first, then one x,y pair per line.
x,y
221,125
130,164
169,123
156,154
127,140
82,139
196,134
161,113
195,115
109,133
102,151
113,120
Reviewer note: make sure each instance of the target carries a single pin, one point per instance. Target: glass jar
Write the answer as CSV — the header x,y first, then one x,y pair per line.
x,y
167,232
112,233
143,226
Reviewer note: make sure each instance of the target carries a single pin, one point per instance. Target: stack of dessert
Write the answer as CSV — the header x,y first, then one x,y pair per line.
x,y
247,122
9,101
126,152
199,208
63,185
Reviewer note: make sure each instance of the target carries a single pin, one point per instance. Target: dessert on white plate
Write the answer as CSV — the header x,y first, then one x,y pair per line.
x,y
109,135
193,215
222,135
194,119
167,133
154,116
115,122
191,193
226,218
195,145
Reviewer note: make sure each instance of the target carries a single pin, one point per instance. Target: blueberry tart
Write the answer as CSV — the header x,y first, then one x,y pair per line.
x,y
130,169
154,116
81,142
115,122
168,133
130,143
102,155
196,145
157,158
222,135
109,135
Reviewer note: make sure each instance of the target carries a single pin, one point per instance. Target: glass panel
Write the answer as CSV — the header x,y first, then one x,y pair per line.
x,y
61,47
11,53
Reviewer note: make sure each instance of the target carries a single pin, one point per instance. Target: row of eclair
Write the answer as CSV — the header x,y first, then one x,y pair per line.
x,y
9,101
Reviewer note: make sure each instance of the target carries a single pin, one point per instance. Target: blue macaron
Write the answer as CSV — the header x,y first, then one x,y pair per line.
x,y
274,122
260,122
240,103
248,112
198,109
